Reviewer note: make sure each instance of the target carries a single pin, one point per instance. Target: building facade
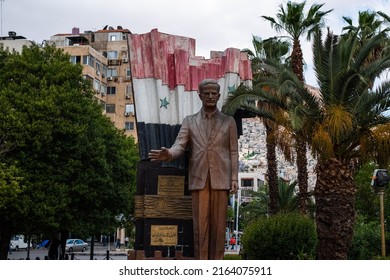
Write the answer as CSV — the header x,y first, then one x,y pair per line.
x,y
249,182
14,42
105,60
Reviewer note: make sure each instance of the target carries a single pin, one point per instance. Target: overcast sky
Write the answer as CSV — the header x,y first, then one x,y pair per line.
x,y
214,24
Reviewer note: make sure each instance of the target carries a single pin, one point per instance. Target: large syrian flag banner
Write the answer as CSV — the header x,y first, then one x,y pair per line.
x,y
165,77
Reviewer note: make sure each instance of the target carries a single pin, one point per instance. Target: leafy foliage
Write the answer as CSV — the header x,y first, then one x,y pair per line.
x,y
10,185
345,121
287,201
283,236
366,243
77,170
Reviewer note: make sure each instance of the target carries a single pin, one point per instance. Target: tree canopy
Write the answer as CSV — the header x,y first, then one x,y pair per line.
x,y
63,163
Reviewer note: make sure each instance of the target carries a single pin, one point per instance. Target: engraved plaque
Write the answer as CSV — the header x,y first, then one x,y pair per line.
x,y
170,185
163,235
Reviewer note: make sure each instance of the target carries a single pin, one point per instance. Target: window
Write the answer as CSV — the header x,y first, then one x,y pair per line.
x,y
103,89
129,125
247,182
110,108
89,60
129,108
75,59
112,72
96,85
128,73
104,73
111,90
98,66
112,55
114,36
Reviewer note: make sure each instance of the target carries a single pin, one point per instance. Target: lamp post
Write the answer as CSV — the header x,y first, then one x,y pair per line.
x,y
380,181
237,212
381,193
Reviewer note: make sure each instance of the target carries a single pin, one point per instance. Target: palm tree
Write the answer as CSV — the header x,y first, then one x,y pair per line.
x,y
296,23
269,49
369,25
287,198
257,208
287,201
344,121
272,48
350,113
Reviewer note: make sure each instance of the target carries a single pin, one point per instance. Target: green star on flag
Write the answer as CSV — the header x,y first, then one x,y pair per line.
x,y
164,103
232,89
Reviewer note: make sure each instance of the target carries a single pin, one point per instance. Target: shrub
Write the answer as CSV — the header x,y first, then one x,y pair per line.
x,y
366,242
232,257
284,236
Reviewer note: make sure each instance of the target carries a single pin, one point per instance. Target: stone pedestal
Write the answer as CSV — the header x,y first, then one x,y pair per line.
x,y
163,213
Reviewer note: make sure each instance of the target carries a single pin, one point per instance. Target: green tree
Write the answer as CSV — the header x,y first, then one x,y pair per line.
x,y
293,20
76,169
271,49
254,210
368,26
367,202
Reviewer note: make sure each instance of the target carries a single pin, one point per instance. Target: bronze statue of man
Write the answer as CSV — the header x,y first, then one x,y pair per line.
x,y
212,140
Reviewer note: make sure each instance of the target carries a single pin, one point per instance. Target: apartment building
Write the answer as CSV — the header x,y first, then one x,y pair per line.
x,y
249,182
14,42
105,60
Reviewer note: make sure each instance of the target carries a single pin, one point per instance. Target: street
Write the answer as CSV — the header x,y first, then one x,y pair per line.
x,y
100,253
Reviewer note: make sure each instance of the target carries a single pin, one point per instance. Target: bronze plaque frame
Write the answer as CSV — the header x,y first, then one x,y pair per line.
x,y
170,185
163,235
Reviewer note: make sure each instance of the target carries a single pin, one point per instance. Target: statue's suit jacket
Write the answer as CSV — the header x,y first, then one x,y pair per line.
x,y
217,154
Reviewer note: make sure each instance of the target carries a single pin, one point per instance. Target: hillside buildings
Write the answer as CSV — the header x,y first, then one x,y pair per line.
x,y
253,158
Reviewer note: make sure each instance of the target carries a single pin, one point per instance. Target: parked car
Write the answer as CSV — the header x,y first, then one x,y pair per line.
x,y
17,243
75,245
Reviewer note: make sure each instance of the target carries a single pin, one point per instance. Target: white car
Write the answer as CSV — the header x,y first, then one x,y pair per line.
x,y
73,245
17,243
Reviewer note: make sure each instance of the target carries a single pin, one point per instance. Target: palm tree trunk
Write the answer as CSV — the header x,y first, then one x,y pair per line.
x,y
302,176
335,209
297,66
272,169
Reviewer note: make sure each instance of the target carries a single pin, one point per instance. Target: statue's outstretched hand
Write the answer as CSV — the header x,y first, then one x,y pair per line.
x,y
163,154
